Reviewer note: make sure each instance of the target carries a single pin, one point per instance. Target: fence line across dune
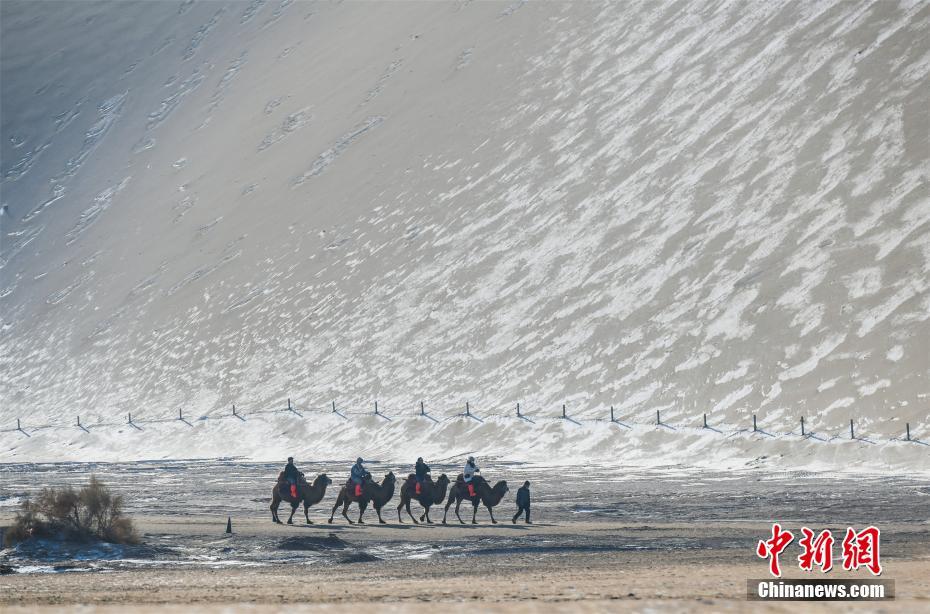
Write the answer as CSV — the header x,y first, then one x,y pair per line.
x,y
331,408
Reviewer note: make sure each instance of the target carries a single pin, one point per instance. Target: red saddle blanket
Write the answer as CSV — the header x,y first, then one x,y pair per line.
x,y
288,490
358,490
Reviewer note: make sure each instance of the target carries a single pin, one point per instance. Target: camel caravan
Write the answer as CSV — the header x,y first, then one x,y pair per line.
x,y
293,488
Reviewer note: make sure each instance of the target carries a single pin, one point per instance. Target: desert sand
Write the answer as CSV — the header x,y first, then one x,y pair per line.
x,y
565,570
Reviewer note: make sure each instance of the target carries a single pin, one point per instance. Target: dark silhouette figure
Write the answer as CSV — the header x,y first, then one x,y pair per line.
x,y
523,502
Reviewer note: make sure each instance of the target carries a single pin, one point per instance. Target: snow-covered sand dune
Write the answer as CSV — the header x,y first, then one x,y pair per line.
x,y
687,207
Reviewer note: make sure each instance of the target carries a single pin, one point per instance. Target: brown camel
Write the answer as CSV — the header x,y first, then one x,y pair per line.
x,y
308,493
485,494
432,493
377,494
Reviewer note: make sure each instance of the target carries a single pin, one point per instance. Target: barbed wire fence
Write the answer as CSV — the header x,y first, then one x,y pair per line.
x,y
703,423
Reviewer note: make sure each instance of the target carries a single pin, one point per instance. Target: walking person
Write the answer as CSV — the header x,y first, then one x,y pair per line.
x,y
523,502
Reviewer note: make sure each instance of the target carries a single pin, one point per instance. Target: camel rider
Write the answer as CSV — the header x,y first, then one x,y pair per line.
x,y
291,474
358,474
422,472
468,473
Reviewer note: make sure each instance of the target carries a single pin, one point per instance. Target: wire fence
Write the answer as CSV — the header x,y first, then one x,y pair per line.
x,y
703,423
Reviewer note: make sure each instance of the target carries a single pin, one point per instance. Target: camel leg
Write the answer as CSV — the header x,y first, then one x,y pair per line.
x,y
307,513
345,508
491,512
409,513
426,515
458,502
380,519
290,519
474,512
339,501
361,511
446,510
275,502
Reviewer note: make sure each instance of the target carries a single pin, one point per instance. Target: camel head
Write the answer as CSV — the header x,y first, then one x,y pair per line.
x,y
388,479
443,481
322,479
501,488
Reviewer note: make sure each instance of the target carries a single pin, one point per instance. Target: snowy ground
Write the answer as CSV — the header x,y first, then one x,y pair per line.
x,y
602,540
204,494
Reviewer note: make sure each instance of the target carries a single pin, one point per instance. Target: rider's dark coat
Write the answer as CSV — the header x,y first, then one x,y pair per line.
x,y
421,470
291,473
523,497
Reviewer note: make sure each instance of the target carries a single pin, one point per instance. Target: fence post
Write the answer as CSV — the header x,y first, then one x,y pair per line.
x,y
422,410
234,409
563,411
705,420
658,418
180,414
376,408
518,410
907,425
334,406
467,409
802,426
79,421
18,427
754,429
289,404
852,433
612,414
130,417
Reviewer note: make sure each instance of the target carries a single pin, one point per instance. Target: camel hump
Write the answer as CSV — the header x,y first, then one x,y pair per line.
x,y
411,476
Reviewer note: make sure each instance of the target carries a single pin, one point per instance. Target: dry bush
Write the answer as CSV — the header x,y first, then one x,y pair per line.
x,y
92,512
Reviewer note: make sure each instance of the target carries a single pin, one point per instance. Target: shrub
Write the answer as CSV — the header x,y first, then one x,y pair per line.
x,y
92,512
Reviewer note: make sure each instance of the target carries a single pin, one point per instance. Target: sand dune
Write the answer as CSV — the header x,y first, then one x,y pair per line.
x,y
702,208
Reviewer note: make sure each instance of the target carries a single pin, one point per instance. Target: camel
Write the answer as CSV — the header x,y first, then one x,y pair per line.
x,y
377,494
432,494
486,494
308,493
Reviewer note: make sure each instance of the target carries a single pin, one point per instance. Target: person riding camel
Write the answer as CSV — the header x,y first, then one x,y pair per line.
x,y
292,475
422,473
358,474
468,473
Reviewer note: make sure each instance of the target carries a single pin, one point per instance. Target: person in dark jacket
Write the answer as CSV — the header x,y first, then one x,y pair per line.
x,y
357,475
523,503
291,474
422,472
